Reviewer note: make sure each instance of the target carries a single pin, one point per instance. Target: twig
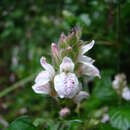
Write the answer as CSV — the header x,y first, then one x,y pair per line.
x,y
17,85
3,122
109,43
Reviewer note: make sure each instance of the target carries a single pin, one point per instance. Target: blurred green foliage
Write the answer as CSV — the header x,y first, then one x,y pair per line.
x,y
27,29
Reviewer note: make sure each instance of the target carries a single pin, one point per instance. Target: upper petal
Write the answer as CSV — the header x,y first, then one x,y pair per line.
x,y
41,88
66,65
83,58
47,67
87,47
89,70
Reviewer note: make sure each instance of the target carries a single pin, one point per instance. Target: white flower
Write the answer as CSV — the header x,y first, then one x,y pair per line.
x,y
116,83
119,81
66,85
80,96
42,81
87,67
67,65
126,93
105,118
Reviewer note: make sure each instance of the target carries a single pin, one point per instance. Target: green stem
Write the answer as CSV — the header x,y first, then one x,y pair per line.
x,y
17,85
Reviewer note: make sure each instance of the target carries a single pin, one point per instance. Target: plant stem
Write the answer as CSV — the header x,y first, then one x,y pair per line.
x,y
17,85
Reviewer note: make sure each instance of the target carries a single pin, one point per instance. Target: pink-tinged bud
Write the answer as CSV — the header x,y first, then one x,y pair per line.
x,y
62,37
64,112
54,49
62,40
69,48
55,52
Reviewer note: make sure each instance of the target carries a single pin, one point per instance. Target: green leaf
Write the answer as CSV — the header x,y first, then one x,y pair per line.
x,y
120,117
22,123
38,121
105,127
103,89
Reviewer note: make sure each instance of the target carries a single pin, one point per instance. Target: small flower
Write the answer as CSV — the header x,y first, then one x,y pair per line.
x,y
80,96
105,118
66,85
64,112
67,65
87,67
126,93
119,81
42,81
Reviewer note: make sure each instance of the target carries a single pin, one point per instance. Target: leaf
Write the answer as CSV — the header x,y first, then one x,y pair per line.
x,y
105,127
120,117
22,123
38,121
103,89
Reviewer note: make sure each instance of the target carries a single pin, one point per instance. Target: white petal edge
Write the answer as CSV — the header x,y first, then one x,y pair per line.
x,y
83,58
42,77
66,65
90,70
80,96
87,47
47,67
41,88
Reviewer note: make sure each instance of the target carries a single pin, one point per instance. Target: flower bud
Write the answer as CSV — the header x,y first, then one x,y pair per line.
x,y
69,49
55,53
62,41
64,112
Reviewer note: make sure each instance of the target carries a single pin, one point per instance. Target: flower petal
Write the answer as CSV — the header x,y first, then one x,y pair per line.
x,y
66,85
126,93
47,67
42,77
83,58
41,88
87,47
89,70
67,65
80,96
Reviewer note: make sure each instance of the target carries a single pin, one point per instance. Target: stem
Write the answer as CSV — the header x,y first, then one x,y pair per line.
x,y
17,85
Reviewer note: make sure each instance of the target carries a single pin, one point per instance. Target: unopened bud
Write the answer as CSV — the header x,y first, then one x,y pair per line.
x,y
55,52
69,48
64,112
62,39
